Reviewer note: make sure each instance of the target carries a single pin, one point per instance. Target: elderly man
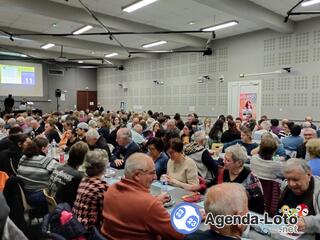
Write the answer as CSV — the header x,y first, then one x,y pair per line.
x,y
265,128
308,133
136,132
130,211
94,140
124,150
224,199
309,119
171,126
301,188
207,167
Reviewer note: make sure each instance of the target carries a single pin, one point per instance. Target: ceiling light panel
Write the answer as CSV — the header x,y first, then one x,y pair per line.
x,y
220,26
149,45
111,55
137,5
82,30
48,45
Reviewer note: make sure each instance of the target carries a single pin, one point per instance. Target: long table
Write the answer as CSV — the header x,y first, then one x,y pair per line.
x,y
177,193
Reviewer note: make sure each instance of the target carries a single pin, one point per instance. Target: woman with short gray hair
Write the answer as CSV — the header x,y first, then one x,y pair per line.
x,y
235,171
89,201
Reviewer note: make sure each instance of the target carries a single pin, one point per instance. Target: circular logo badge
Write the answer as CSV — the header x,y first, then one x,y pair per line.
x,y
186,218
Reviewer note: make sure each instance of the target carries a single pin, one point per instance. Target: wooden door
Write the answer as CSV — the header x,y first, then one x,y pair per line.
x,y
87,100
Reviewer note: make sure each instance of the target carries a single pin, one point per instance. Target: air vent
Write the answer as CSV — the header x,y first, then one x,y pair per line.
x,y
56,72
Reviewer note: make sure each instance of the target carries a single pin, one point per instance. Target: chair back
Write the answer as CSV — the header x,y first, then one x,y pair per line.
x,y
52,204
271,190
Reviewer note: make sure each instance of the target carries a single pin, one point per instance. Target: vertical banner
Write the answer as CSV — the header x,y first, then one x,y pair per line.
x,y
248,105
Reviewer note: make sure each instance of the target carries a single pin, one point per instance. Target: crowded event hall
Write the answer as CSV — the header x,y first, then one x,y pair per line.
x,y
159,119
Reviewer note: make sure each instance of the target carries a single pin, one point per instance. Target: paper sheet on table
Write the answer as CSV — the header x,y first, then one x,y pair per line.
x,y
294,237
158,184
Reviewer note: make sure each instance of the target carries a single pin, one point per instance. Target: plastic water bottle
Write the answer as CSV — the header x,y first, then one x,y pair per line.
x,y
164,183
53,148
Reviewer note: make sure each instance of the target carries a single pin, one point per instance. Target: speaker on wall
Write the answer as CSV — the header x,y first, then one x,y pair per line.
x,y
58,93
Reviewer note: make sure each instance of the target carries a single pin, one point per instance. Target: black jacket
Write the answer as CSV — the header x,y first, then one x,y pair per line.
x,y
102,144
123,153
8,156
301,151
53,135
105,132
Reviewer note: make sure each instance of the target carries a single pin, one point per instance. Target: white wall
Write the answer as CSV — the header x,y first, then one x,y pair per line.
x,y
291,95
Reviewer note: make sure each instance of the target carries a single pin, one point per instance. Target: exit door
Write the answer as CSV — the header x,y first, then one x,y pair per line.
x,y
244,98
87,100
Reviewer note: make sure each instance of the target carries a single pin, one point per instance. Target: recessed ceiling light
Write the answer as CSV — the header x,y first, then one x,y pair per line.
x,y
82,30
136,5
47,46
111,55
80,61
191,23
92,52
149,45
54,25
309,3
220,26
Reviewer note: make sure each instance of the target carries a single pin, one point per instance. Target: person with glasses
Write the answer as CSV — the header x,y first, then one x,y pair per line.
x,y
130,211
155,148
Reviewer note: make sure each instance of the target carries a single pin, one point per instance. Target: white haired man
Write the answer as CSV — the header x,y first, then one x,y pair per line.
x,y
301,191
130,211
224,199
125,149
265,128
94,140
308,133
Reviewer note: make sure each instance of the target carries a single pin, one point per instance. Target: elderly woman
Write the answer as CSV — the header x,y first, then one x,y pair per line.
x,y
235,171
245,141
264,165
182,170
64,181
207,167
89,201
313,148
35,169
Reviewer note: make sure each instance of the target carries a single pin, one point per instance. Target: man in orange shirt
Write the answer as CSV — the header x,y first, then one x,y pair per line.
x,y
130,211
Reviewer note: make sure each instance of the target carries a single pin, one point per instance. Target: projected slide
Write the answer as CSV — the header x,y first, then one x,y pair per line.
x,y
10,74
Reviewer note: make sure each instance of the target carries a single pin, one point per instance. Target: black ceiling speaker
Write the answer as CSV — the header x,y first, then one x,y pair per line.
x,y
120,68
58,93
207,52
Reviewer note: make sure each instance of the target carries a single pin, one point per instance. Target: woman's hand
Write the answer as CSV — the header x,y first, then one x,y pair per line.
x,y
172,181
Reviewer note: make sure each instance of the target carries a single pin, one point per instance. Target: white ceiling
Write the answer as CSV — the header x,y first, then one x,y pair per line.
x,y
283,6
38,16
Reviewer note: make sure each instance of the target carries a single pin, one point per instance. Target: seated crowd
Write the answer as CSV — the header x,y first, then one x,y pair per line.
x,y
240,165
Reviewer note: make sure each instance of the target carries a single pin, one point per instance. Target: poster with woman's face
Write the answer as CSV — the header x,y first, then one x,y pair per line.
x,y
248,105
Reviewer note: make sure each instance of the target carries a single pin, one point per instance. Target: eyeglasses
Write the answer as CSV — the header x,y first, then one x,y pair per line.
x,y
153,172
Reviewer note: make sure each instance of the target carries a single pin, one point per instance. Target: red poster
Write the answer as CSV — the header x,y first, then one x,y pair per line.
x,y
248,105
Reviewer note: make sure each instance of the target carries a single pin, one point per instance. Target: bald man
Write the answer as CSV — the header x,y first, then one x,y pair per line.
x,y
224,199
126,147
130,211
